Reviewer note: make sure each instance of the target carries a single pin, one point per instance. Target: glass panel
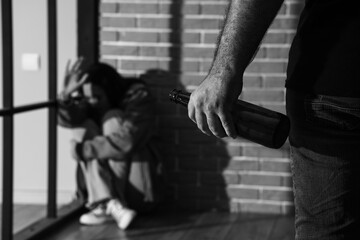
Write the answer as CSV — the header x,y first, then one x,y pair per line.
x,y
30,51
30,167
65,169
67,49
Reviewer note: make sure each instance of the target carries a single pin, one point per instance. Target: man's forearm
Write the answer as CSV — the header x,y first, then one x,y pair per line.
x,y
245,25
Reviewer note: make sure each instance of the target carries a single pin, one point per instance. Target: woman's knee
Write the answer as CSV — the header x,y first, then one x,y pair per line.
x,y
87,130
112,121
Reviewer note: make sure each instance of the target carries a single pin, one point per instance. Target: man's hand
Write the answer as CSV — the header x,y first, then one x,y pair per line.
x,y
211,103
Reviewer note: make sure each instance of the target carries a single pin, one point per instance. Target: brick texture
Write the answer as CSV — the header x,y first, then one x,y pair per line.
x,y
170,44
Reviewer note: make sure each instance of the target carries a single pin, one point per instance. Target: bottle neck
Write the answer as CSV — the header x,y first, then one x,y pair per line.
x,y
179,97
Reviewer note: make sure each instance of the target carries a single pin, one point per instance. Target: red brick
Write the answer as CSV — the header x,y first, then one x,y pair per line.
x,y
201,23
277,52
154,51
267,67
231,177
275,166
138,64
242,192
260,179
179,37
177,9
242,165
261,151
198,52
210,37
128,8
274,81
295,8
121,22
192,79
119,50
260,207
276,37
108,7
284,23
263,95
287,181
213,9
108,36
147,22
128,36
252,81
277,194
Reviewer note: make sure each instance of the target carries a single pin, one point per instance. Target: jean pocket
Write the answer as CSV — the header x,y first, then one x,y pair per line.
x,y
336,112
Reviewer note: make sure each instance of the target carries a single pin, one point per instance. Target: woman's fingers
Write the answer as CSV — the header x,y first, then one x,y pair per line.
x,y
83,79
77,65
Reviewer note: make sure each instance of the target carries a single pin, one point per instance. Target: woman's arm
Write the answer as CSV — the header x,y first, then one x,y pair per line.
x,y
134,127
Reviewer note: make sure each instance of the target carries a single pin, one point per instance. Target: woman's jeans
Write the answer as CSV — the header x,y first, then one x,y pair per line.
x,y
104,179
325,164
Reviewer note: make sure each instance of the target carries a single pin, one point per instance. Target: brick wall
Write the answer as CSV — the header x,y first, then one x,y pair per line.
x,y
171,43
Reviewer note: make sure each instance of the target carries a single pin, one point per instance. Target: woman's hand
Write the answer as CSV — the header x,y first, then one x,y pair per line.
x,y
72,80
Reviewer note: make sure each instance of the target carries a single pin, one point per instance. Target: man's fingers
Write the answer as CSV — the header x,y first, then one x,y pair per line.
x,y
201,123
228,124
215,126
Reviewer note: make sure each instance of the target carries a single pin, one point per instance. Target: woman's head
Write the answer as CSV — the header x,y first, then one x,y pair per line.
x,y
104,77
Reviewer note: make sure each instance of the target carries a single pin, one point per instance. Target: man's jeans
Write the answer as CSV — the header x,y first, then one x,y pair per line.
x,y
325,164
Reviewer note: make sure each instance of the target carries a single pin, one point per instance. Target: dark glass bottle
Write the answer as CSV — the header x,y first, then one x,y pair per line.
x,y
255,123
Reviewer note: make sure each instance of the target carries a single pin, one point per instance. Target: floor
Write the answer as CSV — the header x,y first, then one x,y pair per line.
x,y
185,226
25,214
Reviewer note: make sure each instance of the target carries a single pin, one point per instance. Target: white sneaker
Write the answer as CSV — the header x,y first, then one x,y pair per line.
x,y
122,215
96,216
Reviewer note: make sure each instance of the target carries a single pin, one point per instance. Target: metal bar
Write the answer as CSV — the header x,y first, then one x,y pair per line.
x,y
20,109
52,61
8,138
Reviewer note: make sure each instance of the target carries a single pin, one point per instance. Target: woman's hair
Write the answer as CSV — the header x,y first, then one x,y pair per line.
x,y
110,80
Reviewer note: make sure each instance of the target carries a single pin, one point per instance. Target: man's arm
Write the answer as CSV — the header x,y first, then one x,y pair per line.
x,y
245,25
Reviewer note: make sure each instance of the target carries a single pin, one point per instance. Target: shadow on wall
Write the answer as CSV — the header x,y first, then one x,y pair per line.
x,y
194,162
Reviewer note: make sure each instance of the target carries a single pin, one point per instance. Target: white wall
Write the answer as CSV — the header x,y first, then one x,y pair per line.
x,y
30,129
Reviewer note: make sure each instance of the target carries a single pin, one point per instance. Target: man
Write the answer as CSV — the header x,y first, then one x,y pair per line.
x,y
323,104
